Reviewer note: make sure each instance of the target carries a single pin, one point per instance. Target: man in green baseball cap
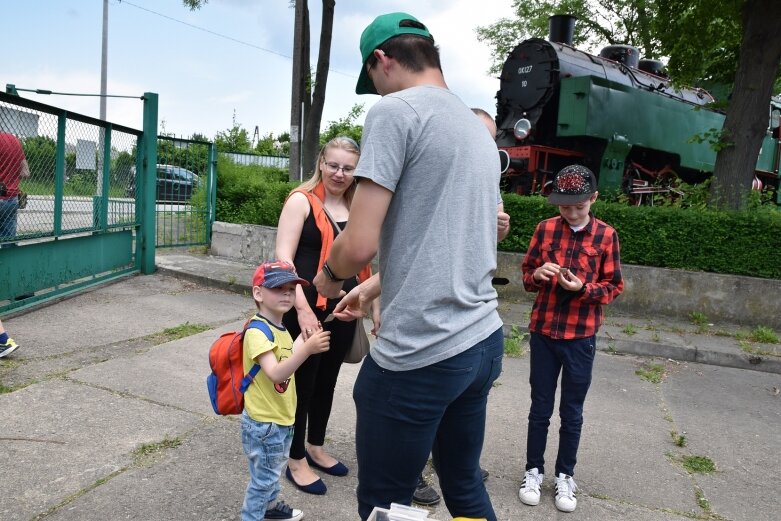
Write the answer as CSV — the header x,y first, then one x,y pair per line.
x,y
382,29
428,182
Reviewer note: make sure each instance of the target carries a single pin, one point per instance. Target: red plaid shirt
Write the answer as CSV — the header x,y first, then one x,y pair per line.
x,y
592,255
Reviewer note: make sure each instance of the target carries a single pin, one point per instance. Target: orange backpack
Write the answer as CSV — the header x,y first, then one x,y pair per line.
x,y
227,382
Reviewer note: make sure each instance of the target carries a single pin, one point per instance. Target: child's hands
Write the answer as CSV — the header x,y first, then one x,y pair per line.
x,y
568,280
546,271
317,342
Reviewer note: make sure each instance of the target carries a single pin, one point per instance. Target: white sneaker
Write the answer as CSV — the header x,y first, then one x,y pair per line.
x,y
565,493
530,488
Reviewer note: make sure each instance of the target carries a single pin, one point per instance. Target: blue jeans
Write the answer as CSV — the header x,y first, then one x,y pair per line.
x,y
8,209
267,446
402,415
574,359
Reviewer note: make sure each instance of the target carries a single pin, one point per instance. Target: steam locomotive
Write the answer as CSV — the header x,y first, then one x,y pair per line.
x,y
615,113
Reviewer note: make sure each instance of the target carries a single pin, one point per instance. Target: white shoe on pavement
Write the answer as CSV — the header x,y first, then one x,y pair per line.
x,y
565,493
530,488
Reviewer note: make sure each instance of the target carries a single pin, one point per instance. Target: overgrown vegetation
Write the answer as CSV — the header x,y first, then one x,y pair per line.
x,y
695,239
515,344
698,464
649,372
174,333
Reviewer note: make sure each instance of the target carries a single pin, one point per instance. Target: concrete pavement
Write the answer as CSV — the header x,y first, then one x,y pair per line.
x,y
105,417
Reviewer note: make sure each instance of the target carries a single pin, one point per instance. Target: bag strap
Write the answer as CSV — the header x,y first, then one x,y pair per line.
x,y
330,217
261,325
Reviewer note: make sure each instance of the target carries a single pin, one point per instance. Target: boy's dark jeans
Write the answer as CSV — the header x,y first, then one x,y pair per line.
x,y
574,359
402,414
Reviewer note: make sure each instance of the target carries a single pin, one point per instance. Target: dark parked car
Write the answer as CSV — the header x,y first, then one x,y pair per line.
x,y
174,183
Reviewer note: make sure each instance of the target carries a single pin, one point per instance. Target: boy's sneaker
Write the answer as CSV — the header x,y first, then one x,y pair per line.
x,y
565,493
530,488
425,494
8,347
283,511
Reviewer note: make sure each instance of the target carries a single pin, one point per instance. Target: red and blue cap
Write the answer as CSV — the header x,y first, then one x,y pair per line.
x,y
273,274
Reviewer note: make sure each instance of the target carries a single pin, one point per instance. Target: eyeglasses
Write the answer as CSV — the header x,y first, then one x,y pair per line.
x,y
332,168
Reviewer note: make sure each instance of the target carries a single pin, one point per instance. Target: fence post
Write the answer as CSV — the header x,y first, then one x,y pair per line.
x,y
211,201
148,172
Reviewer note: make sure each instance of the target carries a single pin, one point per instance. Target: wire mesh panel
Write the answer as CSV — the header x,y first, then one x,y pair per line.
x,y
64,190
184,180
65,187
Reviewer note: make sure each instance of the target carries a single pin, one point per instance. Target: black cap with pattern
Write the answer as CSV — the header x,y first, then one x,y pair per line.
x,y
572,185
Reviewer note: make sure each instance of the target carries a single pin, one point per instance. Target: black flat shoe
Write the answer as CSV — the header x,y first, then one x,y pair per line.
x,y
318,487
337,470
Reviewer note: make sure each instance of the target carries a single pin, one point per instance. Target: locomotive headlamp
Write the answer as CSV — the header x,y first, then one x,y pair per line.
x,y
504,160
521,129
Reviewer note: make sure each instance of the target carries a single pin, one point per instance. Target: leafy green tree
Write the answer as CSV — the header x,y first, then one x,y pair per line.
x,y
235,139
313,92
734,42
269,145
344,126
40,152
600,22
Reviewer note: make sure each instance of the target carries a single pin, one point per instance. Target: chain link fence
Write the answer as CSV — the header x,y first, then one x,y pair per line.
x,y
65,188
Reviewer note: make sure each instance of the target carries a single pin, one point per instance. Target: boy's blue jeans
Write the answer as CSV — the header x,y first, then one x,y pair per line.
x,y
267,446
574,359
402,415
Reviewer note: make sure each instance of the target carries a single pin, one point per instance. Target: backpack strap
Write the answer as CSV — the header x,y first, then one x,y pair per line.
x,y
261,325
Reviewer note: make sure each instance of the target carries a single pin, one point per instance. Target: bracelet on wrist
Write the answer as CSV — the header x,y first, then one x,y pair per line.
x,y
330,274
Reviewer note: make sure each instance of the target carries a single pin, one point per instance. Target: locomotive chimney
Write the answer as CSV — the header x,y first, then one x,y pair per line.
x,y
561,28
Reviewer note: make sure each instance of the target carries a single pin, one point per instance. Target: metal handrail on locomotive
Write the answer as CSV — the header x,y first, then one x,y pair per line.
x,y
614,113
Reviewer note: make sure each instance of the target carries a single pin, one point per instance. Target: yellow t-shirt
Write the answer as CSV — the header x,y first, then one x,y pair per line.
x,y
265,401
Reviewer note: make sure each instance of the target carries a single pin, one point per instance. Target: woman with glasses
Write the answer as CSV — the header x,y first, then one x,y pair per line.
x,y
312,216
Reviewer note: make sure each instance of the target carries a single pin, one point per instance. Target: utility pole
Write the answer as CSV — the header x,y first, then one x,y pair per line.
x,y
104,62
296,129
103,75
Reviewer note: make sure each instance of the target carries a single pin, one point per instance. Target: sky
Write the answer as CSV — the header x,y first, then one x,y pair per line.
x,y
230,59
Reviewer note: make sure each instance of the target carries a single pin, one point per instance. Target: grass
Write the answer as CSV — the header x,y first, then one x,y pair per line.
x,y
653,373
630,329
747,347
71,188
698,319
146,449
764,335
678,439
702,501
698,464
177,332
514,344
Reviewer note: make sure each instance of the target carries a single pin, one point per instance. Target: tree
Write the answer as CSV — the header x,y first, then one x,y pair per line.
x,y
344,126
737,43
235,139
312,93
600,22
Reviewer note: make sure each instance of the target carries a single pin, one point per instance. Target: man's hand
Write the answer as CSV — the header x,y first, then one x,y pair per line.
x,y
327,287
502,225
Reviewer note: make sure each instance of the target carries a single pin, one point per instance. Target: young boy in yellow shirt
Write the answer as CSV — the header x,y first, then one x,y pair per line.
x,y
270,401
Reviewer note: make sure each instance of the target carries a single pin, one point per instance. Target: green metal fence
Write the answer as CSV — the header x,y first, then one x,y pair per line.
x,y
185,191
86,218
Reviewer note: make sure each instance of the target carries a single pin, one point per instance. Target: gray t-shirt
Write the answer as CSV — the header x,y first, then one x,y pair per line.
x,y
438,242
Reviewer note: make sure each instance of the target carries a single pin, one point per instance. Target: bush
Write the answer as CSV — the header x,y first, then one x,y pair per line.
x,y
250,194
738,243
695,239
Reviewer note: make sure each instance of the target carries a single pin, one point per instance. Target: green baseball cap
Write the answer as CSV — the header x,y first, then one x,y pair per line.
x,y
382,29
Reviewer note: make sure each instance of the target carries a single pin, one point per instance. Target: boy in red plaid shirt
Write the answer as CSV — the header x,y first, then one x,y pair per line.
x,y
573,264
